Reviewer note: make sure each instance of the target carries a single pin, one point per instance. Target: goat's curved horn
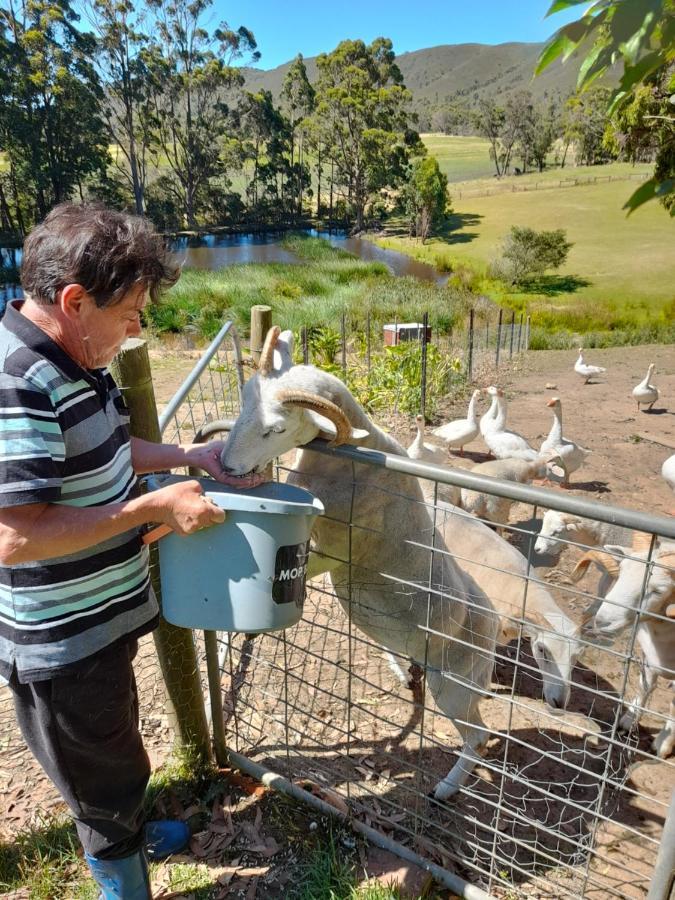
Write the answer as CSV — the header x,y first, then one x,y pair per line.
x,y
322,406
604,560
266,361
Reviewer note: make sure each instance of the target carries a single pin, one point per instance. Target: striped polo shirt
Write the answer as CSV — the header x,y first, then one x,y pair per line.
x,y
64,439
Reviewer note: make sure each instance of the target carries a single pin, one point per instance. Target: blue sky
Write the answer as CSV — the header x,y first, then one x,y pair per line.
x,y
284,28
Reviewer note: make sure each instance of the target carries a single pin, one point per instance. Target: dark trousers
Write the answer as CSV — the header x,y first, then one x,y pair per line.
x,y
83,730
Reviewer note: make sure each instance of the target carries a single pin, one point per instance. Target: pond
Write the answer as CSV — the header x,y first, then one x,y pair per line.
x,y
213,251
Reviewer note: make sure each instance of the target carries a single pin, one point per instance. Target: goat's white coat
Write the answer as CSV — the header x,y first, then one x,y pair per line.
x,y
655,636
387,513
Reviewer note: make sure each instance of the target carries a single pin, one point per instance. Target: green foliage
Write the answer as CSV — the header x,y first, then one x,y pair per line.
x,y
395,379
328,282
44,859
362,119
641,35
324,344
528,253
426,197
51,129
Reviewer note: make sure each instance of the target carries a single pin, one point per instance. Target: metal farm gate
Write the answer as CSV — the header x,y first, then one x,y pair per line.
x,y
564,803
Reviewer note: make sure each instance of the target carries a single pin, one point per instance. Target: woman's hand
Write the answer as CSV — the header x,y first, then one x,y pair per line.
x,y
207,457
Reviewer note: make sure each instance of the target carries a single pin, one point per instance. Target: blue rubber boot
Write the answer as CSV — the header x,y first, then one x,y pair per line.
x,y
121,879
166,837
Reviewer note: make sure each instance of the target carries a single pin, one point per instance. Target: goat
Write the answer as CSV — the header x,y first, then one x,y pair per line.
x,y
369,538
629,597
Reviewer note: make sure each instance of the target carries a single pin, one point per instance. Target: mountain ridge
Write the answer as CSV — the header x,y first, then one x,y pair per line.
x,y
463,73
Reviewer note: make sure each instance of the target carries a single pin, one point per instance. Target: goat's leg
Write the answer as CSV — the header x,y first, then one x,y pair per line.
x,y
396,667
475,738
664,742
636,708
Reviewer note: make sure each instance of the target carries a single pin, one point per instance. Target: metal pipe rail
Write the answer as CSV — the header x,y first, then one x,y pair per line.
x,y
535,496
181,394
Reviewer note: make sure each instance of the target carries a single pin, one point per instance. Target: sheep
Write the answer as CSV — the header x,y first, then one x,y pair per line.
x,y
379,572
379,566
651,602
502,572
557,528
489,506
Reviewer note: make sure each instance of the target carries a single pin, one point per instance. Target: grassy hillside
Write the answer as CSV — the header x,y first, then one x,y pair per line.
x,y
460,158
620,273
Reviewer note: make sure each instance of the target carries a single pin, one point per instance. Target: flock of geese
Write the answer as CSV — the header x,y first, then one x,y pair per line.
x,y
560,455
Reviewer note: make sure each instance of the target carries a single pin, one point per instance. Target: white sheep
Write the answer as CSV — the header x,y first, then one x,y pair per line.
x,y
379,572
379,565
651,602
502,572
489,506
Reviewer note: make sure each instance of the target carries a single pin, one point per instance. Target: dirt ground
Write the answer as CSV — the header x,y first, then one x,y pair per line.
x,y
535,811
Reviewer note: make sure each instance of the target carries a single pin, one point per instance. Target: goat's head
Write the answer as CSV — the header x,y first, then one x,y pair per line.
x,y
282,408
642,586
556,655
556,529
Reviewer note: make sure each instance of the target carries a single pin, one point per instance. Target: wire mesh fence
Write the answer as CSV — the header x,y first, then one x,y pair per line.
x,y
572,787
506,723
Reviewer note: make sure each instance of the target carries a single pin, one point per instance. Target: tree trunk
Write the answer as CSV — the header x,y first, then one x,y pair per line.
x,y
318,177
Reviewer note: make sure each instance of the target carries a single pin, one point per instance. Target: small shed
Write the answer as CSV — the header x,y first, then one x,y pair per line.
x,y
400,332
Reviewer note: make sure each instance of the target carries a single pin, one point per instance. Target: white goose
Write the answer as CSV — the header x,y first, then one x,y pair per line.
x,y
487,420
572,455
461,431
427,452
505,444
584,370
645,392
668,472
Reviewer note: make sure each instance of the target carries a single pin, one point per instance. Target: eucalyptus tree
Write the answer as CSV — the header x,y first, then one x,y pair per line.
x,y
118,26
194,88
52,133
364,119
298,98
266,136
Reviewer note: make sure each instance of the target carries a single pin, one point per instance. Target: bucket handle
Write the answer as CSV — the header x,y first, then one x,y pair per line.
x,y
156,533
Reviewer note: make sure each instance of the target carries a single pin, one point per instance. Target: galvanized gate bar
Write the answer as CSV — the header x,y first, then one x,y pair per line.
x,y
612,515
279,783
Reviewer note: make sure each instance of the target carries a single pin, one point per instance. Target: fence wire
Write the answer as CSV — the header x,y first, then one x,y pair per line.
x,y
566,802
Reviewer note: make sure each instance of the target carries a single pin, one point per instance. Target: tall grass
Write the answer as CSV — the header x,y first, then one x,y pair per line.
x,y
325,283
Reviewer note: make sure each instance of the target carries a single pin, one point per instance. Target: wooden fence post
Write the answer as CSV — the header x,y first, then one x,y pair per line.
x,y
343,330
175,646
368,341
305,346
527,333
513,325
261,322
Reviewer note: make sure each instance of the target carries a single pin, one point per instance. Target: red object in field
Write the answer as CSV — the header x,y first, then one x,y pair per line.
x,y
403,332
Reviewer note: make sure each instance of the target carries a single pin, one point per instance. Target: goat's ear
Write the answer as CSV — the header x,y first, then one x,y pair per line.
x,y
327,429
283,352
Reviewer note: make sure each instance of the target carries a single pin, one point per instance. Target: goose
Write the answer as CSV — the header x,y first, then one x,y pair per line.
x,y
462,431
668,472
427,452
584,370
572,455
487,420
505,444
645,392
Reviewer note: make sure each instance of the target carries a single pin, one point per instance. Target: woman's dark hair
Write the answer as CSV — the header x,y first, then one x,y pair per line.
x,y
105,251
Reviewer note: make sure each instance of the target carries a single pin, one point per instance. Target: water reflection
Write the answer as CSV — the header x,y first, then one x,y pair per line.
x,y
213,251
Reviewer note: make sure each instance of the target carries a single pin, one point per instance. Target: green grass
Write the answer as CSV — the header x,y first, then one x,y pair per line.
x,y
313,292
619,276
460,158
